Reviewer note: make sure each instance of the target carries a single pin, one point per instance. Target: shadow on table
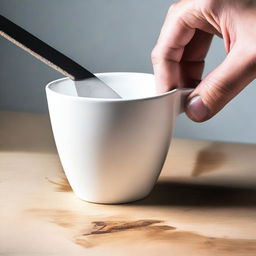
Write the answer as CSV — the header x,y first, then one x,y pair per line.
x,y
185,194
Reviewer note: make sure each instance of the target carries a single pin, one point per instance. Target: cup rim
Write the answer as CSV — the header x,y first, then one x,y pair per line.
x,y
87,99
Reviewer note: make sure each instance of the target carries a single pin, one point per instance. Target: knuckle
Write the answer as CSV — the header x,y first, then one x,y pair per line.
x,y
178,7
208,5
173,6
210,8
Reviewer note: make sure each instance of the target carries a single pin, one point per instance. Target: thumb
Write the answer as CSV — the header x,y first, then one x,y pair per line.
x,y
221,85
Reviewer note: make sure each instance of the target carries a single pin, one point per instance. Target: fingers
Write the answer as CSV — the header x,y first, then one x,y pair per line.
x,y
178,57
192,62
167,54
222,84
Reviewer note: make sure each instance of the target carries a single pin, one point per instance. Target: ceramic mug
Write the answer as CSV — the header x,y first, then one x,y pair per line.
x,y
113,150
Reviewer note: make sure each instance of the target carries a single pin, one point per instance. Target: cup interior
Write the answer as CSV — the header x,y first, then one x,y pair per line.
x,y
127,85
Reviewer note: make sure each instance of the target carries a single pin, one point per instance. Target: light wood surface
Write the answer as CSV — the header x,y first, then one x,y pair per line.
x,y
204,202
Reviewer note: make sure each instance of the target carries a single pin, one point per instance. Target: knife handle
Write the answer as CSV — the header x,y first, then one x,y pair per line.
x,y
42,51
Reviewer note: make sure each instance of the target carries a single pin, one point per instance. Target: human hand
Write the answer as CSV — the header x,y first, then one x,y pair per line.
x,y
178,57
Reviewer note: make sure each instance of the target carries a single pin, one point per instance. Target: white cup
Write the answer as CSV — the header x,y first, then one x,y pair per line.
x,y
113,150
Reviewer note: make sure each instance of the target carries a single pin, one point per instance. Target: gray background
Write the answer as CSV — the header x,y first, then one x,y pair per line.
x,y
105,35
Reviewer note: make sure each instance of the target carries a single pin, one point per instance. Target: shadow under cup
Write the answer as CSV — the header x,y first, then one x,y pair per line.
x,y
112,150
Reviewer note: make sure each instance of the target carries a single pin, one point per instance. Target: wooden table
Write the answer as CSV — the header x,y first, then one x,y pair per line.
x,y
203,204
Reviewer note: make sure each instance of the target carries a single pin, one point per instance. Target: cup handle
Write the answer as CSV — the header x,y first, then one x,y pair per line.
x,y
183,94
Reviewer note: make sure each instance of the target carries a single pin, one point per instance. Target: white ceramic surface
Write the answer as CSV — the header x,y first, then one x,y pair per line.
x,y
112,150
93,87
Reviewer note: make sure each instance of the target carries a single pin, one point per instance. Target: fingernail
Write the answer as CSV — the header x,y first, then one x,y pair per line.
x,y
197,110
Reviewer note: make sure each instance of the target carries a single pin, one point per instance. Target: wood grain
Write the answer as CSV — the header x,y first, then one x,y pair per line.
x,y
203,204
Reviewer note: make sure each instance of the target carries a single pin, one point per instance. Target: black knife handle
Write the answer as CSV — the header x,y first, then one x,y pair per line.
x,y
42,51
